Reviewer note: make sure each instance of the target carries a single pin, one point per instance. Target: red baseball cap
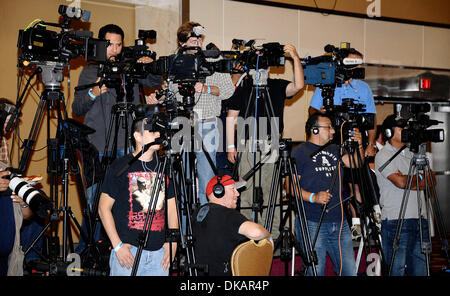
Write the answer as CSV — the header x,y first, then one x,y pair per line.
x,y
225,180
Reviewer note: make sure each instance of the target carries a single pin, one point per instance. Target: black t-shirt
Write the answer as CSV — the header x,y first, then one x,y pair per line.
x,y
132,193
277,92
216,237
316,174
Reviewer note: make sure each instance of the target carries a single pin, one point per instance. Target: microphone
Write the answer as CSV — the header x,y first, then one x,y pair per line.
x,y
212,51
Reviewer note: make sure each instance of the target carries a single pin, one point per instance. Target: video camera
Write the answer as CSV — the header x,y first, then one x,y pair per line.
x,y
418,122
352,116
39,45
334,68
260,57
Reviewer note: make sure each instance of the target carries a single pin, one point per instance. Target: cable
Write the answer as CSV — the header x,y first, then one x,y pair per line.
x,y
340,200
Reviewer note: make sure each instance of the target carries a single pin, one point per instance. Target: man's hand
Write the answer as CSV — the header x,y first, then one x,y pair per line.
x,y
370,151
199,87
151,99
355,135
291,50
145,60
166,259
96,90
4,181
322,197
125,256
231,155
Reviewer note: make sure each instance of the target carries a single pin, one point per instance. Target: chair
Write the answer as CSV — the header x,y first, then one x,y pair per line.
x,y
252,259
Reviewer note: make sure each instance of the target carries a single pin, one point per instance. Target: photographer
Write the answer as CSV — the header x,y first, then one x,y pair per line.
x,y
279,90
392,183
12,212
208,103
123,212
95,104
361,93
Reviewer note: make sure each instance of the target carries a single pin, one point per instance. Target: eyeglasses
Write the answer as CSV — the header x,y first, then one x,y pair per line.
x,y
325,126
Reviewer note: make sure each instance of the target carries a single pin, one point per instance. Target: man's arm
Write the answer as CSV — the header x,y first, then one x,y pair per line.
x,y
349,163
399,180
124,255
299,78
172,222
253,231
82,101
231,122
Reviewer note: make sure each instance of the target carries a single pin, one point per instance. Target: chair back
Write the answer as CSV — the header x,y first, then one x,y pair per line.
x,y
252,259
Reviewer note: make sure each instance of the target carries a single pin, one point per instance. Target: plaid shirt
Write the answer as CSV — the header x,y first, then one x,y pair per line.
x,y
4,151
207,105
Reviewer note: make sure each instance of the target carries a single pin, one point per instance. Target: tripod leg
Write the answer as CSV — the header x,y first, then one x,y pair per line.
x,y
401,216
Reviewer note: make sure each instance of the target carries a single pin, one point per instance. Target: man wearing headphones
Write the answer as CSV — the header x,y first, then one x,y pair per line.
x,y
218,228
316,164
392,182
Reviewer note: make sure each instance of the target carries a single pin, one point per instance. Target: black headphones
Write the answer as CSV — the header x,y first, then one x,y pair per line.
x,y
218,188
389,125
315,130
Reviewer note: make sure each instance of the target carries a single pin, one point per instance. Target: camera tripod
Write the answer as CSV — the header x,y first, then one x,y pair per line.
x,y
370,230
61,160
285,166
420,169
260,100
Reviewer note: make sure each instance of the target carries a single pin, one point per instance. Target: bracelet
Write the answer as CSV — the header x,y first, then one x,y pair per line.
x,y
310,197
91,95
231,146
117,248
209,89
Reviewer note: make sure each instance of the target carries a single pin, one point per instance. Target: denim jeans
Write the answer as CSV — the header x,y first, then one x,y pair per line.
x,y
149,265
409,252
210,136
328,242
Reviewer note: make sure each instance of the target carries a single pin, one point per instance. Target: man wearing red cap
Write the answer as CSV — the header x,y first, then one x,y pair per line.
x,y
218,228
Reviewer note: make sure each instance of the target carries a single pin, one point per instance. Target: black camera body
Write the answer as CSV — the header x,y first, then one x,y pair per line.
x,y
37,44
416,132
268,55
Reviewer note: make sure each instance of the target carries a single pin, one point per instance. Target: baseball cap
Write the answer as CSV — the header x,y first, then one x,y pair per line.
x,y
225,180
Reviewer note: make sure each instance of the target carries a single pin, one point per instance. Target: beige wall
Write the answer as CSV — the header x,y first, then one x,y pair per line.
x,y
434,11
380,41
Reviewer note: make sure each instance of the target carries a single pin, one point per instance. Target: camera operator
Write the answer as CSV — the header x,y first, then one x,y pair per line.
x,y
392,182
315,176
95,104
12,212
361,93
279,90
208,103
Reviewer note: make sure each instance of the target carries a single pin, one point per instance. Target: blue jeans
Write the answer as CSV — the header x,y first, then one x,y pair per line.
x,y
328,242
90,195
210,136
149,265
409,251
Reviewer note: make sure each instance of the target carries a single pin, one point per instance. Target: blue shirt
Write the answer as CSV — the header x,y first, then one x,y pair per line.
x,y
316,175
357,89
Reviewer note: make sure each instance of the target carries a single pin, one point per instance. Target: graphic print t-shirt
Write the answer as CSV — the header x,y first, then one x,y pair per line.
x,y
132,193
316,174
